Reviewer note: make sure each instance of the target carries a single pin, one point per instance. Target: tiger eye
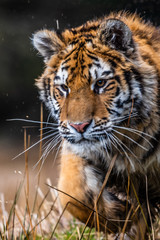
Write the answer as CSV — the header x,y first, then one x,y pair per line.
x,y
100,83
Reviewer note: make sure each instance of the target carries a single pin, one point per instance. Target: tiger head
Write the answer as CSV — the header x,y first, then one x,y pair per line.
x,y
92,82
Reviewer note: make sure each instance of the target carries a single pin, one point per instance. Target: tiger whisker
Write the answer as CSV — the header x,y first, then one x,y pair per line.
x,y
47,142
125,117
120,119
53,138
139,133
32,146
54,144
113,142
47,151
57,152
104,145
110,146
51,127
49,115
50,148
109,142
69,135
129,139
31,121
120,143
45,133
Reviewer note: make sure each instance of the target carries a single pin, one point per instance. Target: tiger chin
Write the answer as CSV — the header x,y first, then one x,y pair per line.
x,y
101,83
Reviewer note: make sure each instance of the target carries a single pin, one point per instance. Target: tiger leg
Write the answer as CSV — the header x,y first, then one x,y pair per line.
x,y
72,182
83,185
137,230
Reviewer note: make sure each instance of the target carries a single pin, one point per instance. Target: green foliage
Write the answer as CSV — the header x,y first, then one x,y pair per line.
x,y
75,231
40,238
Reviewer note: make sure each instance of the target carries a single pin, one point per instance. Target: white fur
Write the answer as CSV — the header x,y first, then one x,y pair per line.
x,y
86,150
38,41
63,76
103,67
91,180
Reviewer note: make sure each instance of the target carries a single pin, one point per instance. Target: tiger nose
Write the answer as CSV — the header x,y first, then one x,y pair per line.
x,y
80,127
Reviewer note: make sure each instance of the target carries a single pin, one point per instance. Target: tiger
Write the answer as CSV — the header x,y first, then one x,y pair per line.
x,y
101,84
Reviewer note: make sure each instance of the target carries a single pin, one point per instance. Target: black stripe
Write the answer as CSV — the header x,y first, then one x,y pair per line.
x,y
90,65
155,142
128,78
113,63
138,78
118,60
57,78
119,103
117,78
97,65
89,78
70,53
48,83
65,68
111,83
117,91
83,67
89,36
74,42
85,29
45,89
96,74
90,197
106,73
92,57
73,31
72,70
113,111
60,92
89,40
76,56
109,89
56,111
111,57
67,60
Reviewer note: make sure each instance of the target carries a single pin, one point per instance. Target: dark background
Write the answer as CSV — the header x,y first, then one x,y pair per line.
x,y
20,63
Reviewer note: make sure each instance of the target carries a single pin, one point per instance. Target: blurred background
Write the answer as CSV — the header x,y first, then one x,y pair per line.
x,y
20,65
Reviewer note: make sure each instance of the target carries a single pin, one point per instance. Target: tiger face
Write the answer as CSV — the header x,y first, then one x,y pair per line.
x,y
95,81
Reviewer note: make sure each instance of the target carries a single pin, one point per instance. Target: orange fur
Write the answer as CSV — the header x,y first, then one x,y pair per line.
x,y
96,75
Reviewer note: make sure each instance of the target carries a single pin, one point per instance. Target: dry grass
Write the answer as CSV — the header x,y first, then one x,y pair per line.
x,y
42,219
47,221
28,223
45,218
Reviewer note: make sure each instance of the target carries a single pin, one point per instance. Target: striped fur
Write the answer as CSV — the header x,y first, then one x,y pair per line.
x,y
106,74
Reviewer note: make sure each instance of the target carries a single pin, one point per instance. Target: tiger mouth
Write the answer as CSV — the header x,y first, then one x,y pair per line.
x,y
83,140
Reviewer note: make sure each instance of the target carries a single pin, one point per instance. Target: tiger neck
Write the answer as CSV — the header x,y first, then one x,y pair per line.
x,y
97,157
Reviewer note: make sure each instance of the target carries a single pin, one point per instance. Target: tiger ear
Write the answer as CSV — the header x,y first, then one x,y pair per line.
x,y
117,35
47,43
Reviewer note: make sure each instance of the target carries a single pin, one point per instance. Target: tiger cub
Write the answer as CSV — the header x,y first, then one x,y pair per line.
x,y
101,84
